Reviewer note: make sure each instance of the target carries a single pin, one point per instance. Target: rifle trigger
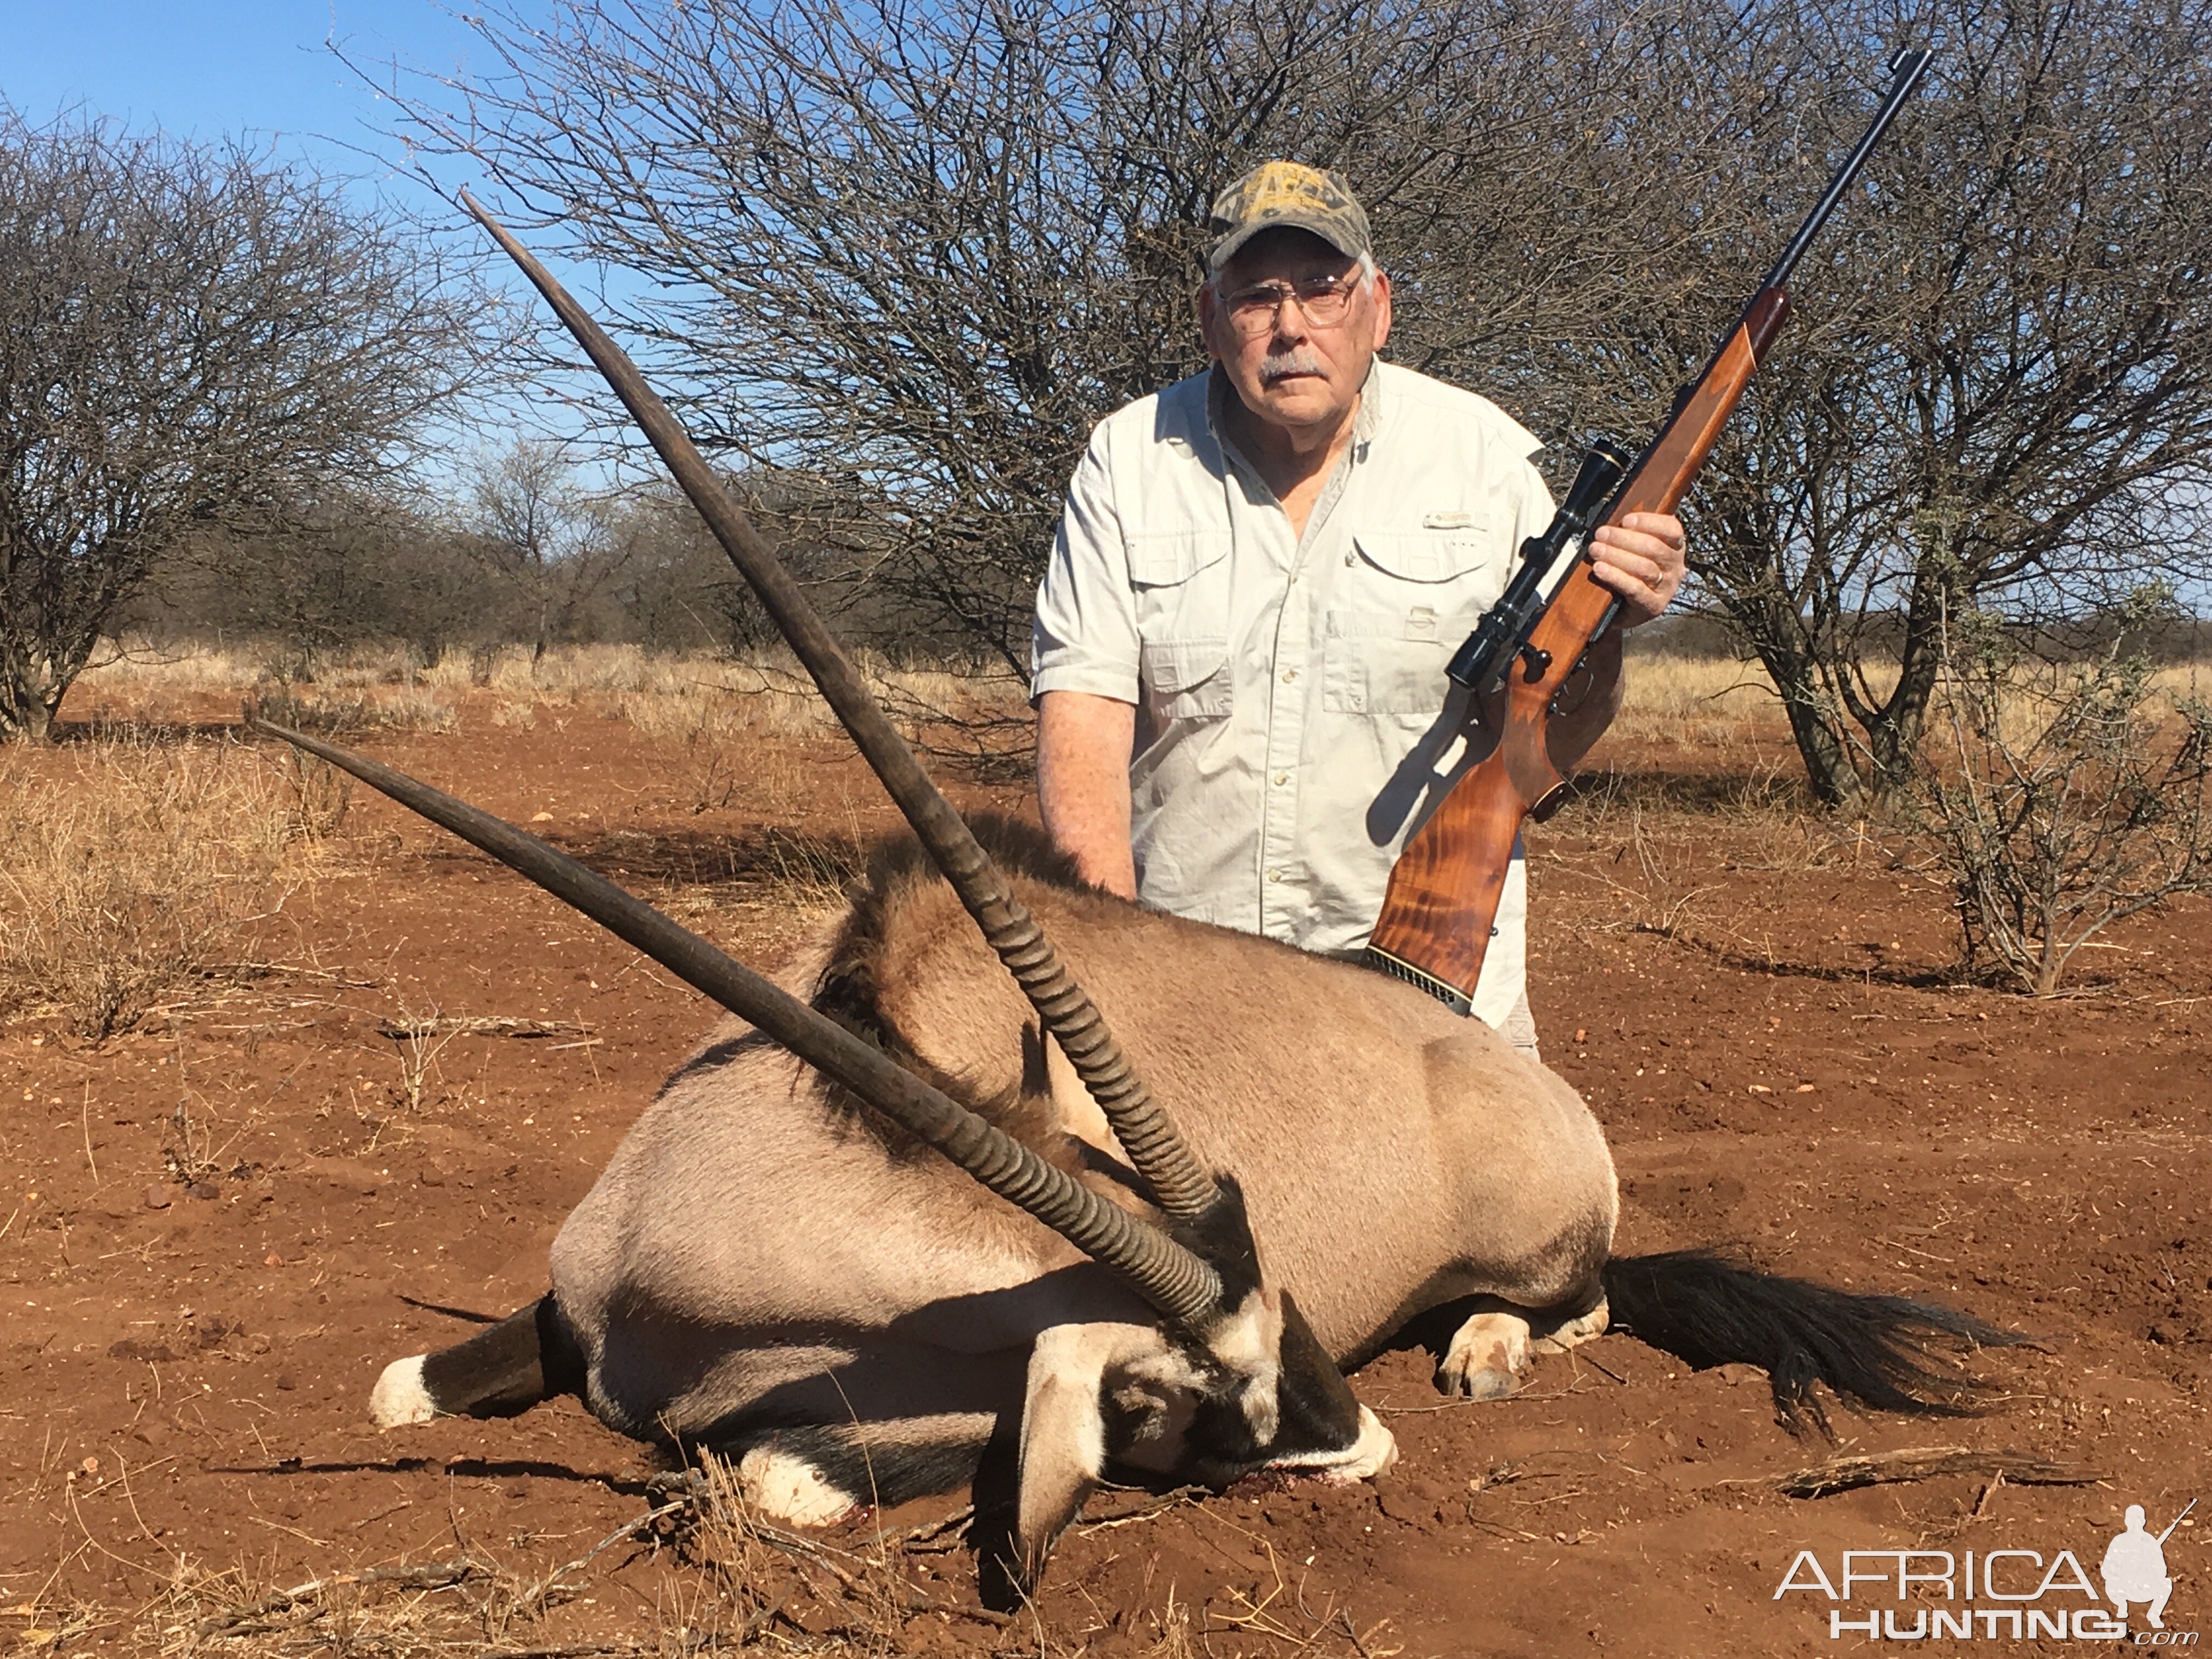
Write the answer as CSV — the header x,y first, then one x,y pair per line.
x,y
1535,663
1580,671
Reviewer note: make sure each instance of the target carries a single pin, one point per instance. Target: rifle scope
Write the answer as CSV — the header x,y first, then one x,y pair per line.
x,y
1503,633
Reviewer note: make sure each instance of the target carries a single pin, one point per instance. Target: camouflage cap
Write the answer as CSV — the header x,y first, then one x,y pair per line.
x,y
1277,194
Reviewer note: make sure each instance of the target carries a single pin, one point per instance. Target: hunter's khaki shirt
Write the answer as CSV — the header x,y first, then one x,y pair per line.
x,y
1293,723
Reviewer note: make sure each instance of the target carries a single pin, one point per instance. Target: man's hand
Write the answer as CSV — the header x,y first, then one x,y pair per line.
x,y
1641,559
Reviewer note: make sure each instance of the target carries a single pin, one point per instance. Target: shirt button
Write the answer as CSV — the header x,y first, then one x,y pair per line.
x,y
1281,778
1274,875
1352,558
1289,675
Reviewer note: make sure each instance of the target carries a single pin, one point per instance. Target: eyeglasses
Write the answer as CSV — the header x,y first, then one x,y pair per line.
x,y
1324,300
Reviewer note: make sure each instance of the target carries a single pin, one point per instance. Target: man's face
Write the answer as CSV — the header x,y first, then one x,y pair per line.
x,y
1296,374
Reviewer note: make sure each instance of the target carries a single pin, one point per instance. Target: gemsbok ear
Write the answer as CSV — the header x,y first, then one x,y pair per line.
x,y
1063,1446
1263,1393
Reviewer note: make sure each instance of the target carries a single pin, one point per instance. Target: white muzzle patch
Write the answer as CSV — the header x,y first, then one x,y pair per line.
x,y
1370,1455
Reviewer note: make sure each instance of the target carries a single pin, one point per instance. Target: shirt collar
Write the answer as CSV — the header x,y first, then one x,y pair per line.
x,y
1367,420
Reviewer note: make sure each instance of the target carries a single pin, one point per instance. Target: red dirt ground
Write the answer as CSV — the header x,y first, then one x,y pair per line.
x,y
185,1367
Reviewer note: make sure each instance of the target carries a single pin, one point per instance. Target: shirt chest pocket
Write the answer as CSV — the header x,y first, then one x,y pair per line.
x,y
1180,583
1456,556
1405,602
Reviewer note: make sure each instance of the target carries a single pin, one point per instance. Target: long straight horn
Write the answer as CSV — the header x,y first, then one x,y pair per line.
x,y
1173,1279
1180,1184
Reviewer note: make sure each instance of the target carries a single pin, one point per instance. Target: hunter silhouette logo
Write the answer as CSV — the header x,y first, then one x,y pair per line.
x,y
2135,1566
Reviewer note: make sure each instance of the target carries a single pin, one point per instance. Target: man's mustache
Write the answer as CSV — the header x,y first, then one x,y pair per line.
x,y
1298,360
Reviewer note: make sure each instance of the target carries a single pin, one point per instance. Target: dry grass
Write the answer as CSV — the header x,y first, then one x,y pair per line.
x,y
724,723
2071,797
143,668
710,1577
712,708
694,1571
127,868
338,710
1705,701
1718,702
318,797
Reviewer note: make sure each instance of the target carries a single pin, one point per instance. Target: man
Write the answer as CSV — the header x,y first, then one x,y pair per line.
x,y
1259,576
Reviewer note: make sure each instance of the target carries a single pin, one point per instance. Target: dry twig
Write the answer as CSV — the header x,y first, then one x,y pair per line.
x,y
1924,1463
434,1575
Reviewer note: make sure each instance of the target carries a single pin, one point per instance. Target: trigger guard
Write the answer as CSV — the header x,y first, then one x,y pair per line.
x,y
1550,802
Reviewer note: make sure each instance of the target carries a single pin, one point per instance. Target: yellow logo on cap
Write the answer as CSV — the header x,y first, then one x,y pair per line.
x,y
1286,185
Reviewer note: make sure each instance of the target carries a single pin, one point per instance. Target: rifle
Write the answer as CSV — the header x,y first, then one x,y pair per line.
x,y
1444,887
2176,1522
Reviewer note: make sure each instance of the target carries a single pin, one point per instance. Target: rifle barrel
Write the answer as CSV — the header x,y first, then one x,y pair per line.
x,y
2176,1520
1906,68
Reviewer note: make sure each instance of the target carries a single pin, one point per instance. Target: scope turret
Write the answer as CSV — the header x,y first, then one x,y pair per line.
x,y
1504,628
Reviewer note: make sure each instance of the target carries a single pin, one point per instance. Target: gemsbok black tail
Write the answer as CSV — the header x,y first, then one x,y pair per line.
x,y
1881,1352
503,1370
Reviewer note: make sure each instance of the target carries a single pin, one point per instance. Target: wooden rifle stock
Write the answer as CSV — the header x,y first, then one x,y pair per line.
x,y
1444,889
1441,903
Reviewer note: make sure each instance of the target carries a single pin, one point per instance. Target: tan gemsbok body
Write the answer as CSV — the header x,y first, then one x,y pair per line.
x,y
923,1222
761,1268
764,1270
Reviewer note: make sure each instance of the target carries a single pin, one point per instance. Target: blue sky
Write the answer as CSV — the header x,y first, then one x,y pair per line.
x,y
206,68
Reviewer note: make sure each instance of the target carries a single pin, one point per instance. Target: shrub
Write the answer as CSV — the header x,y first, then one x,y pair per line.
x,y
128,868
2071,795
